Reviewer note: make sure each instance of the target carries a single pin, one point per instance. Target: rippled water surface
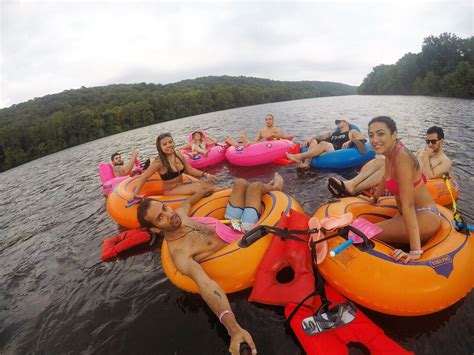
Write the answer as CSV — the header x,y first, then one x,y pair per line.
x,y
57,297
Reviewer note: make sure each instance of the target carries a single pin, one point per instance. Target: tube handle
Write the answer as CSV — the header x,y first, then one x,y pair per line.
x,y
341,247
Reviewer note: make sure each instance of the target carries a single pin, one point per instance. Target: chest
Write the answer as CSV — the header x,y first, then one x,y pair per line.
x,y
269,132
435,161
175,165
200,239
340,136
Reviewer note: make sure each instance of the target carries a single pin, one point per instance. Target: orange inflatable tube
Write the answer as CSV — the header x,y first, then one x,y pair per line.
x,y
232,267
125,213
439,191
442,276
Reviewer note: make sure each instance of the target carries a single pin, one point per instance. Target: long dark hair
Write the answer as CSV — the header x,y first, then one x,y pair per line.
x,y
389,122
161,154
142,211
392,127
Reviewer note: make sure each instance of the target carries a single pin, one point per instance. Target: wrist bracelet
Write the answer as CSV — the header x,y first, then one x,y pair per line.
x,y
416,252
223,313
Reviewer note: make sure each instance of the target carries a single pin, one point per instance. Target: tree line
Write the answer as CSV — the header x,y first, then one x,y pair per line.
x,y
444,67
51,123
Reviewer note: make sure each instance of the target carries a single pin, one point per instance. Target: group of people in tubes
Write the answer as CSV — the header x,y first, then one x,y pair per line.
x,y
395,169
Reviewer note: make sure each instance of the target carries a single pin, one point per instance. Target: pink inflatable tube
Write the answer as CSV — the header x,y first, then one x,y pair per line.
x,y
258,153
216,154
109,181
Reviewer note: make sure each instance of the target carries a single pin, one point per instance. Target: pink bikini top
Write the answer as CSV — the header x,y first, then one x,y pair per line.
x,y
392,184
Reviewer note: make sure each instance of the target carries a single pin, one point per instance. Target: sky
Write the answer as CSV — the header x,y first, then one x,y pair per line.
x,y
47,47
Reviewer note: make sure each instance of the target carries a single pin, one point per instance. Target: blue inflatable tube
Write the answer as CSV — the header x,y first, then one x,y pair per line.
x,y
342,159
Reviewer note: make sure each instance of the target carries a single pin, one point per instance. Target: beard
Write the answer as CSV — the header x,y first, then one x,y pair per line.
x,y
175,222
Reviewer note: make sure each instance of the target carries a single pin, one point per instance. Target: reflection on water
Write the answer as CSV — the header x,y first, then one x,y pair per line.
x,y
57,297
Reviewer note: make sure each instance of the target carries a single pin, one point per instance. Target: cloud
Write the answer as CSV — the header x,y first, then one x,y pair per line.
x,y
49,47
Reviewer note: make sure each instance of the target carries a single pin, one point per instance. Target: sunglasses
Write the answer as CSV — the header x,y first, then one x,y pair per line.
x,y
432,141
164,135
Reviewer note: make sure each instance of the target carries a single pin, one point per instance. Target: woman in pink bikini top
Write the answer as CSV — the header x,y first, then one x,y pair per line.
x,y
418,219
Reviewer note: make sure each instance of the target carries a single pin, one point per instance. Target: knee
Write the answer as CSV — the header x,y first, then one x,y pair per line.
x,y
376,164
241,183
311,142
379,168
326,146
379,163
255,188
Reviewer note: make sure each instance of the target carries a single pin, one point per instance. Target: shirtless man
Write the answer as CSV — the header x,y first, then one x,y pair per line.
x,y
342,138
433,162
190,241
119,168
269,132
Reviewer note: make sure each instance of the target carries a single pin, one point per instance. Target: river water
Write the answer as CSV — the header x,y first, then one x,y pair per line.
x,y
57,297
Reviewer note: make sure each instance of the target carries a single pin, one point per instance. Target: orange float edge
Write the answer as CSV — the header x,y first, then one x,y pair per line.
x,y
240,263
441,277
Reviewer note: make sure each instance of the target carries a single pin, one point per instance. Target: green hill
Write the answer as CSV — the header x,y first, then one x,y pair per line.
x,y
51,123
445,67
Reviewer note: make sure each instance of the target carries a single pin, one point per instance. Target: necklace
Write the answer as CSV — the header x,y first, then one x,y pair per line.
x,y
184,235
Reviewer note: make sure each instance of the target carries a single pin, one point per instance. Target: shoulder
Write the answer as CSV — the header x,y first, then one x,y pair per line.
x,y
403,157
184,261
117,170
180,156
445,158
445,161
179,256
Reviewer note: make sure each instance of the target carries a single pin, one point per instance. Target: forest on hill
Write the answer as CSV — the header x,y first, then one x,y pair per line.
x,y
444,67
51,123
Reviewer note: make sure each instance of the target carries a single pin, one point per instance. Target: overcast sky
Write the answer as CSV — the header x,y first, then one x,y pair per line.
x,y
51,46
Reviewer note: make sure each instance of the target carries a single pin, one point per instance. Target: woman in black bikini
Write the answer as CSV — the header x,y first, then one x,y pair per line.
x,y
171,165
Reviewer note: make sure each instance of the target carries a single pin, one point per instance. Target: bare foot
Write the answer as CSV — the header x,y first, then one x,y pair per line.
x,y
244,139
230,141
277,182
293,158
359,145
304,165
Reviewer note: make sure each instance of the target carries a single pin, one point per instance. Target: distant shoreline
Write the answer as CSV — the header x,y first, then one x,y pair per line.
x,y
46,125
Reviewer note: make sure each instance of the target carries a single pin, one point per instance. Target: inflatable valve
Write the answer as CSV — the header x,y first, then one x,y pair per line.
x,y
325,225
341,247
365,227
135,201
